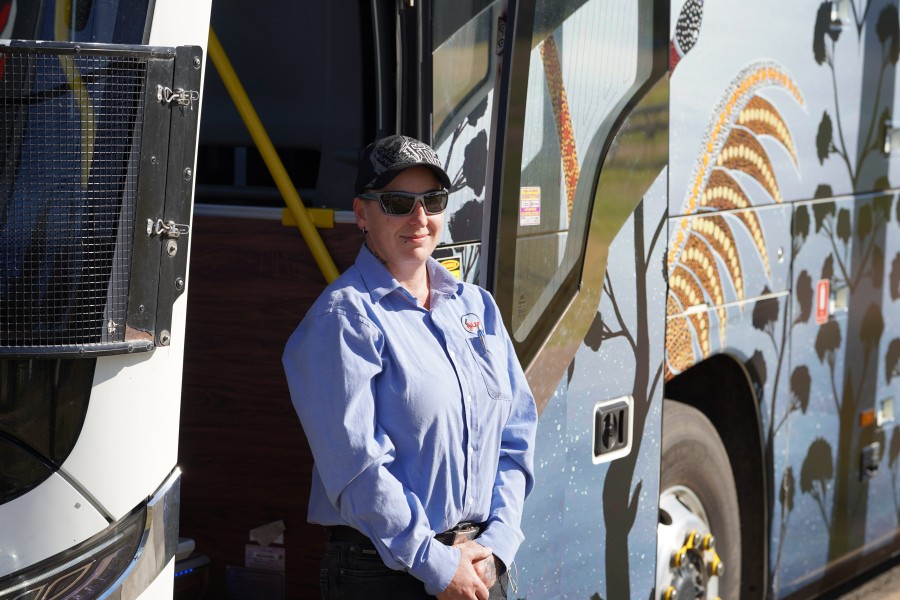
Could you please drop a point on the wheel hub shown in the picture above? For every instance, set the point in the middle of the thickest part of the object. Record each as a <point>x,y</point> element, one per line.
<point>688,567</point>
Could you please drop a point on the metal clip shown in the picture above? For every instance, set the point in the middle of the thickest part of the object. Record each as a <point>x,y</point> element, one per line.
<point>169,229</point>
<point>178,96</point>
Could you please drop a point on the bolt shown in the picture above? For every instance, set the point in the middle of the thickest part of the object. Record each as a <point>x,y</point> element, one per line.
<point>164,337</point>
<point>709,542</point>
<point>720,569</point>
<point>197,62</point>
<point>179,284</point>
<point>142,308</point>
<point>671,593</point>
<point>152,160</point>
<point>78,505</point>
<point>695,539</point>
<point>130,348</point>
<point>171,247</point>
<point>188,173</point>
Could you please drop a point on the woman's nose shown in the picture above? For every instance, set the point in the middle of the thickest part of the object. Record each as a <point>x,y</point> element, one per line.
<point>418,214</point>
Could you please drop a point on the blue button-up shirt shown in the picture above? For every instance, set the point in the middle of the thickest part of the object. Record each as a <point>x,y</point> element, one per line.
<point>417,419</point>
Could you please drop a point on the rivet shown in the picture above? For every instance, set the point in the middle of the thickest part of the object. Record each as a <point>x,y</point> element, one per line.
<point>171,247</point>
<point>197,62</point>
<point>188,173</point>
<point>179,284</point>
<point>164,337</point>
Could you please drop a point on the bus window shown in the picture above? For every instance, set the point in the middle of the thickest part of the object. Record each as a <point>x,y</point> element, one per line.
<point>461,62</point>
<point>106,21</point>
<point>586,59</point>
<point>42,407</point>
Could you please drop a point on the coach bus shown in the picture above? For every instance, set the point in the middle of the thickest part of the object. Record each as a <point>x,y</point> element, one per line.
<point>685,210</point>
<point>100,107</point>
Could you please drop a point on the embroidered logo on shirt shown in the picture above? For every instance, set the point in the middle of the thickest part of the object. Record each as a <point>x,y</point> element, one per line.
<point>472,323</point>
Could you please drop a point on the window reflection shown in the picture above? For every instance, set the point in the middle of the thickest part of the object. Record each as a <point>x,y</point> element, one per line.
<point>580,70</point>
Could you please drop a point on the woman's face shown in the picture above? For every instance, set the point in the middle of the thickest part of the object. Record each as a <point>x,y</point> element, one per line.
<point>405,242</point>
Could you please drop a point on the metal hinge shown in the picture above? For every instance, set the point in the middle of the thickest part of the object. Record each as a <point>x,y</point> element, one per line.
<point>501,35</point>
<point>178,96</point>
<point>169,229</point>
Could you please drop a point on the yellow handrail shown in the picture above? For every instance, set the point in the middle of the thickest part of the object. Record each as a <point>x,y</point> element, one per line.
<point>270,156</point>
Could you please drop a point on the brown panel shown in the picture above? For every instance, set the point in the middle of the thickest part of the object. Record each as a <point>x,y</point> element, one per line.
<point>242,450</point>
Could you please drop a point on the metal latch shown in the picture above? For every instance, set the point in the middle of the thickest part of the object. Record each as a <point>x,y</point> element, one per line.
<point>177,96</point>
<point>169,229</point>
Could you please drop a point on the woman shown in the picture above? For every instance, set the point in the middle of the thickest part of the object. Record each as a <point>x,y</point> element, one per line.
<point>417,412</point>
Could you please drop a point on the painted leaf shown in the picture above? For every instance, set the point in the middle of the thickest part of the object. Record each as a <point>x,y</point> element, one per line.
<point>824,138</point>
<point>800,386</point>
<point>801,222</point>
<point>765,313</point>
<point>803,292</point>
<point>877,271</point>
<point>822,30</point>
<point>892,360</point>
<point>818,466</point>
<point>821,211</point>
<point>888,30</point>
<point>843,225</point>
<point>828,267</point>
<point>827,340</point>
<point>864,221</point>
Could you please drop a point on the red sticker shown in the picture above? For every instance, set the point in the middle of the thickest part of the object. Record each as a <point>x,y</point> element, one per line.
<point>823,298</point>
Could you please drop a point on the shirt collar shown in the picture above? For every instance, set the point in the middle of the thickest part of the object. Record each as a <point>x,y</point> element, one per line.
<point>380,282</point>
<point>375,275</point>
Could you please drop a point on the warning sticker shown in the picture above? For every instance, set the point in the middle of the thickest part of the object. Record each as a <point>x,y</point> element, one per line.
<point>529,206</point>
<point>452,264</point>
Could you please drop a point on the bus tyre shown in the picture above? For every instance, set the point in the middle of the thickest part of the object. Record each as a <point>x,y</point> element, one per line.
<point>699,531</point>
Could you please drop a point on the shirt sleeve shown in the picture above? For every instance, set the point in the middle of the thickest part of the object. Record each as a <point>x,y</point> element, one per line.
<point>330,363</point>
<point>515,469</point>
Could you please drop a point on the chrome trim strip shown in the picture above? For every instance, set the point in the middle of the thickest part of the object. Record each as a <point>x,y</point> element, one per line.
<point>158,544</point>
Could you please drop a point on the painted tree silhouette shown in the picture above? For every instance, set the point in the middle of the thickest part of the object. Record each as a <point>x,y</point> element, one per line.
<point>816,475</point>
<point>856,235</point>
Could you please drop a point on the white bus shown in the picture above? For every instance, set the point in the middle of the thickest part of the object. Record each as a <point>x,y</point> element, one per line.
<point>99,109</point>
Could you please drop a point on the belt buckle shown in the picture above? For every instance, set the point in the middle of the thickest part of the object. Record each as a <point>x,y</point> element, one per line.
<point>464,532</point>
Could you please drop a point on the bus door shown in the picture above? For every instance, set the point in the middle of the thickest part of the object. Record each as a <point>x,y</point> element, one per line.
<point>573,251</point>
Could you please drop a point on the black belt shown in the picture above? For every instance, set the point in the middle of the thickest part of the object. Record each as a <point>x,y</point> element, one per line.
<point>462,532</point>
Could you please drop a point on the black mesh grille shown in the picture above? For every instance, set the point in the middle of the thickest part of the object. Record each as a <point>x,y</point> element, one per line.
<point>71,127</point>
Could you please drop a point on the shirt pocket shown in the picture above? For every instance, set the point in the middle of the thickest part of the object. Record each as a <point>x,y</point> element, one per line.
<point>489,353</point>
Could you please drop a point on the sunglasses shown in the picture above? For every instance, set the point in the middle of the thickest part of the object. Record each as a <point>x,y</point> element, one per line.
<point>399,204</point>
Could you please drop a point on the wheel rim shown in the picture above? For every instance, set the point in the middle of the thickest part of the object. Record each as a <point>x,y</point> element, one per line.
<point>687,566</point>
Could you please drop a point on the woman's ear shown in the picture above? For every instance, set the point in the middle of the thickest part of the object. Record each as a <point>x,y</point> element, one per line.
<point>359,211</point>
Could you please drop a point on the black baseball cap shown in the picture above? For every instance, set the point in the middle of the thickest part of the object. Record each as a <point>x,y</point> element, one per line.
<point>384,159</point>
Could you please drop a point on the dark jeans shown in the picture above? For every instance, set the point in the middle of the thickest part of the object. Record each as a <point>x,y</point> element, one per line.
<point>354,571</point>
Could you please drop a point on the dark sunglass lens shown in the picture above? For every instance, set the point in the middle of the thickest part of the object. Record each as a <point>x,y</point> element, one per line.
<point>435,202</point>
<point>397,203</point>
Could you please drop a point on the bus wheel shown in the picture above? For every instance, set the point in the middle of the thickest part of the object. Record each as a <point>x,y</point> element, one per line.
<point>698,547</point>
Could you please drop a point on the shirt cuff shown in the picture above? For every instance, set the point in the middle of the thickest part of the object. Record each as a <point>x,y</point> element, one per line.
<point>437,568</point>
<point>502,539</point>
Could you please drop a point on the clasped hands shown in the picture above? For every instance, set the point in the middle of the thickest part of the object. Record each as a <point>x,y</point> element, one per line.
<point>475,574</point>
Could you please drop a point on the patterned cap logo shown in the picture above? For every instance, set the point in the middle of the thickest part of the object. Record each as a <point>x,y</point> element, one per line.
<point>399,151</point>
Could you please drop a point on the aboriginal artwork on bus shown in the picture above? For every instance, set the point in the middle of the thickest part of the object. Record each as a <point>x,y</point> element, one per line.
<point>845,289</point>
<point>704,263</point>
<point>464,153</point>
